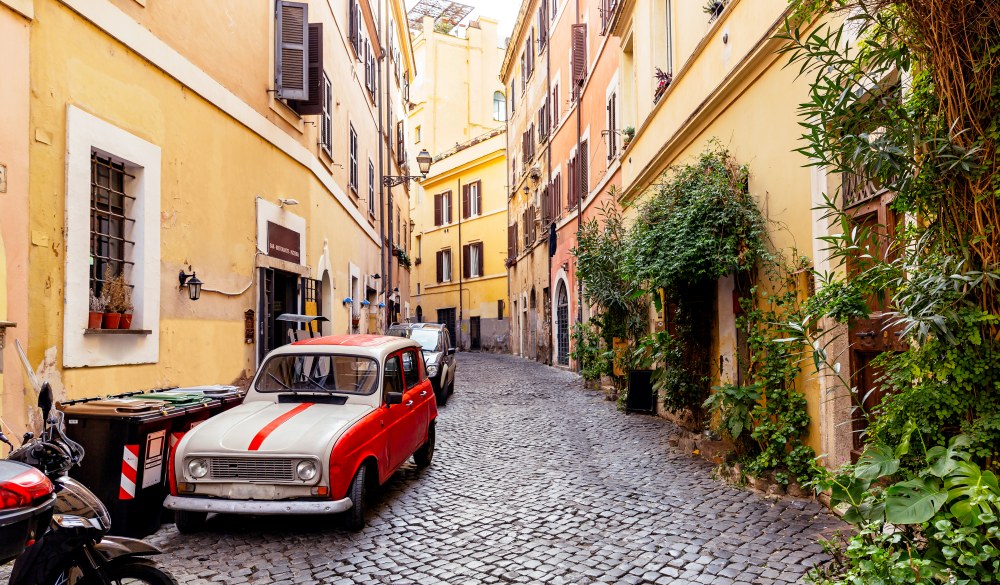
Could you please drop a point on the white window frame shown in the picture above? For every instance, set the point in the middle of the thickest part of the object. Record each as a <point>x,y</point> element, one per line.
<point>353,179</point>
<point>326,129</point>
<point>474,199</point>
<point>475,262</point>
<point>446,265</point>
<point>85,134</point>
<point>445,209</point>
<point>371,188</point>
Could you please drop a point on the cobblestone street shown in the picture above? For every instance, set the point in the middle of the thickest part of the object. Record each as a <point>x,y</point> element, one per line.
<point>534,480</point>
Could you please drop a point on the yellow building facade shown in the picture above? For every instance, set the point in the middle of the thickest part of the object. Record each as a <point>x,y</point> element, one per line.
<point>193,133</point>
<point>460,211</point>
<point>729,84</point>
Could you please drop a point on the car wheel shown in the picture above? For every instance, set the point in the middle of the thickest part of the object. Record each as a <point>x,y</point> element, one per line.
<point>425,453</point>
<point>354,519</point>
<point>441,394</point>
<point>451,386</point>
<point>189,522</point>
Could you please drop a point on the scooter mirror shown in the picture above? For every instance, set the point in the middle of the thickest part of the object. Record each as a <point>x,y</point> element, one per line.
<point>45,400</point>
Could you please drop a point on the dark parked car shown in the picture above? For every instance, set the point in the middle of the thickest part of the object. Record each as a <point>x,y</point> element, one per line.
<point>439,355</point>
<point>26,501</point>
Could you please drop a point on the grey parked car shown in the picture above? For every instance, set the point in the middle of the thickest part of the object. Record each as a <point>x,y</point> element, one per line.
<point>439,355</point>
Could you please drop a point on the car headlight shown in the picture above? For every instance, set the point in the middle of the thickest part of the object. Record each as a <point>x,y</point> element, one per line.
<point>432,370</point>
<point>305,470</point>
<point>197,468</point>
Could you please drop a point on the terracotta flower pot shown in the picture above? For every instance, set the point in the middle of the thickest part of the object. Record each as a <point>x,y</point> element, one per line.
<point>111,320</point>
<point>94,321</point>
<point>126,321</point>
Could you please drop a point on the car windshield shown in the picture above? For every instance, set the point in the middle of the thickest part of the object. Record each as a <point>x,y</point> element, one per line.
<point>427,338</point>
<point>345,374</point>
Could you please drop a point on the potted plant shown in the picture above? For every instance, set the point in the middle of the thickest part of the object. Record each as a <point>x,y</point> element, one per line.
<point>714,8</point>
<point>126,305</point>
<point>627,135</point>
<point>663,80</point>
<point>96,312</point>
<point>113,293</point>
<point>356,320</point>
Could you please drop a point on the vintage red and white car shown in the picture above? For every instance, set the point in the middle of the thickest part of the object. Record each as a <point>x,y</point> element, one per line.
<point>324,422</point>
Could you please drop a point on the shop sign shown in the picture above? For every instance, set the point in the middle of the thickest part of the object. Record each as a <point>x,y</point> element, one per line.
<point>283,243</point>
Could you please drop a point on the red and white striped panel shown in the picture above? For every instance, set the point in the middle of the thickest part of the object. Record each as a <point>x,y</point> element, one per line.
<point>130,465</point>
<point>174,439</point>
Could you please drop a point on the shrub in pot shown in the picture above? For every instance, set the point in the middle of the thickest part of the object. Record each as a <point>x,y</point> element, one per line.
<point>117,298</point>
<point>96,312</point>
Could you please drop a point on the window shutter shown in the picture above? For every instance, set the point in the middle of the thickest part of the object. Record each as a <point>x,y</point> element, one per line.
<point>579,34</point>
<point>465,202</point>
<point>291,39</point>
<point>515,239</point>
<point>450,209</point>
<point>314,105</point>
<point>511,240</point>
<point>352,19</point>
<point>612,130</point>
<point>440,265</point>
<point>479,197</point>
<point>466,261</point>
<point>437,210</point>
<point>584,170</point>
<point>481,262</point>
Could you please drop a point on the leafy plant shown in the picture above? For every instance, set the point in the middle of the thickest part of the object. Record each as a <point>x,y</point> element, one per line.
<point>734,406</point>
<point>587,351</point>
<point>96,303</point>
<point>115,292</point>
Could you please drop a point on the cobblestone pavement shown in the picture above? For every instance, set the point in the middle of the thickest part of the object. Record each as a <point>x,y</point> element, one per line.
<point>534,480</point>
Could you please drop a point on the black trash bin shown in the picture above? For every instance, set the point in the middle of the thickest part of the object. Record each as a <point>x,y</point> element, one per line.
<point>126,459</point>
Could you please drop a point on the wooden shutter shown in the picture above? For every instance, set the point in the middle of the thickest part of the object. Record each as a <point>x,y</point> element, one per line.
<point>451,209</point>
<point>465,201</point>
<point>511,241</point>
<point>437,210</point>
<point>466,261</point>
<point>440,266</point>
<point>481,260</point>
<point>584,170</point>
<point>352,19</point>
<point>291,61</point>
<point>314,105</point>
<point>479,197</point>
<point>612,130</point>
<point>515,239</point>
<point>579,34</point>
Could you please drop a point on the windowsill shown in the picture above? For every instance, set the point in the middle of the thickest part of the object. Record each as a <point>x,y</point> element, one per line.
<point>371,219</point>
<point>326,158</point>
<point>286,113</point>
<point>117,332</point>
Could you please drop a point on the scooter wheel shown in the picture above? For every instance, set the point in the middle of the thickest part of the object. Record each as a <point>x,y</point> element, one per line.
<point>138,571</point>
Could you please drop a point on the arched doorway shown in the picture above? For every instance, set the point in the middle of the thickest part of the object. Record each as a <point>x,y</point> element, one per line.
<point>420,314</point>
<point>562,325</point>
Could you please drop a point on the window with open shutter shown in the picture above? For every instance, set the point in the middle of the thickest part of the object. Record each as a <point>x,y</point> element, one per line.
<point>313,106</point>
<point>511,242</point>
<point>584,170</point>
<point>440,265</point>
<point>465,202</point>
<point>437,210</point>
<point>355,27</point>
<point>353,147</point>
<point>467,261</point>
<point>291,76</point>
<point>326,125</point>
<point>612,127</point>
<point>579,40</point>
<point>476,197</point>
<point>446,216</point>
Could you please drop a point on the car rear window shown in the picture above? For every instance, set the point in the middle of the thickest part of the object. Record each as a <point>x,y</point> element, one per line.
<point>318,373</point>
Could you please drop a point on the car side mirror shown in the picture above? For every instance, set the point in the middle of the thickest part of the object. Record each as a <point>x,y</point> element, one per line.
<point>451,351</point>
<point>393,398</point>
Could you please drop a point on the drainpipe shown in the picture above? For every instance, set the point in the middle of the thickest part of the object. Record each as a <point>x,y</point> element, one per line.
<point>548,171</point>
<point>579,182</point>
<point>461,258</point>
<point>386,278</point>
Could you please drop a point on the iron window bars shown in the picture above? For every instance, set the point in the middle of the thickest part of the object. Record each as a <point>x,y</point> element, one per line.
<point>109,206</point>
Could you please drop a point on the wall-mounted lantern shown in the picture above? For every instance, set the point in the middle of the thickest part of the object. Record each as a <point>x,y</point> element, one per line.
<point>191,281</point>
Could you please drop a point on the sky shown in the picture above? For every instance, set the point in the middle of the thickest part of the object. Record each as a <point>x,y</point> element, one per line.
<point>504,11</point>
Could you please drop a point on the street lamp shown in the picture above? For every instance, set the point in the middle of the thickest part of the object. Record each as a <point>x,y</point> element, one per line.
<point>424,161</point>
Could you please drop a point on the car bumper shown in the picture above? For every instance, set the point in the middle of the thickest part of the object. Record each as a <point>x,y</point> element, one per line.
<point>257,507</point>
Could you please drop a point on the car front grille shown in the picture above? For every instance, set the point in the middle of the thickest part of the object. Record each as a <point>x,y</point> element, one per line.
<point>252,469</point>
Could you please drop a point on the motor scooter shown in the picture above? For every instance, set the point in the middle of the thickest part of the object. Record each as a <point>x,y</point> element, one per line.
<point>76,549</point>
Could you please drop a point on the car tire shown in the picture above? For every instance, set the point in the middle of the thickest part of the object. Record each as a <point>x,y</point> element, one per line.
<point>425,453</point>
<point>354,519</point>
<point>190,522</point>
<point>451,387</point>
<point>442,396</point>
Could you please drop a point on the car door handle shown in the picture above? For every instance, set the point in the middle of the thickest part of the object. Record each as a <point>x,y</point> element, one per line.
<point>424,393</point>
<point>409,403</point>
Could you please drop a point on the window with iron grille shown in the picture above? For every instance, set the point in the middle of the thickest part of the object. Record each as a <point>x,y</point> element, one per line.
<point>110,221</point>
<point>353,140</point>
<point>326,129</point>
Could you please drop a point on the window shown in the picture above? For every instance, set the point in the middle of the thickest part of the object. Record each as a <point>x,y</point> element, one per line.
<point>411,371</point>
<point>326,126</point>
<point>339,374</point>
<point>499,107</point>
<point>109,212</point>
<point>669,39</point>
<point>416,135</point>
<point>353,140</point>
<point>442,208</point>
<point>391,381</point>
<point>472,199</point>
<point>579,55</point>
<point>612,126</point>
<point>371,189</point>
<point>500,301</point>
<point>512,95</point>
<point>555,104</point>
<point>444,265</point>
<point>400,143</point>
<point>355,27</point>
<point>472,260</point>
<point>543,27</point>
<point>112,199</point>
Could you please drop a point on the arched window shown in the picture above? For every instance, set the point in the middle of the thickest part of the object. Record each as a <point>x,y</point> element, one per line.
<point>499,107</point>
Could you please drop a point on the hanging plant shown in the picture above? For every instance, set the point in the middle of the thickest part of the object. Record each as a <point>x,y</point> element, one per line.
<point>714,8</point>
<point>663,81</point>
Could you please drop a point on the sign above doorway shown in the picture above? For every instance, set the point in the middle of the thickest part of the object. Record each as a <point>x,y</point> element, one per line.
<point>283,243</point>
